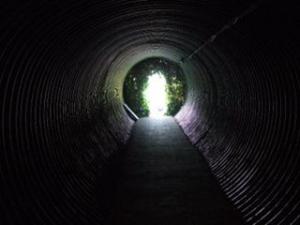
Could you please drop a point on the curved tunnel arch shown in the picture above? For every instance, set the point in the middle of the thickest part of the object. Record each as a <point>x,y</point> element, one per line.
<point>62,67</point>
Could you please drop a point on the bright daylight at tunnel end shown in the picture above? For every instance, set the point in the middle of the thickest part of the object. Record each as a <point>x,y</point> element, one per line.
<point>155,87</point>
<point>82,84</point>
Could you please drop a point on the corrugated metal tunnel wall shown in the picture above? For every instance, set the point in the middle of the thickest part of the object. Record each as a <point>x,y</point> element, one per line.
<point>62,69</point>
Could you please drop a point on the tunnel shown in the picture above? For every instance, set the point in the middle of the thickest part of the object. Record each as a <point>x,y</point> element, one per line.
<point>64,125</point>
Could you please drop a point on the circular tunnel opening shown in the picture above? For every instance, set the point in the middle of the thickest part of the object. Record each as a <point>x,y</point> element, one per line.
<point>155,87</point>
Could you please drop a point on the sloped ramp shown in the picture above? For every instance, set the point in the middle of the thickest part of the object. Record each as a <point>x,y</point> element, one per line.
<point>165,181</point>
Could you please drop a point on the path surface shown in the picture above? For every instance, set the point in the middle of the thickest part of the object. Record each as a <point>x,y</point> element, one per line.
<point>165,181</point>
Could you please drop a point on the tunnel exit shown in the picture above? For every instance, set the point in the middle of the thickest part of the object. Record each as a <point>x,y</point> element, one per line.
<point>156,95</point>
<point>155,87</point>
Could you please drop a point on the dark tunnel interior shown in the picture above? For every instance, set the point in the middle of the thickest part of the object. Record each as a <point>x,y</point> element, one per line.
<point>63,64</point>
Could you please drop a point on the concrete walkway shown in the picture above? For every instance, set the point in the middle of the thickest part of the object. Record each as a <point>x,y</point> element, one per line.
<point>165,181</point>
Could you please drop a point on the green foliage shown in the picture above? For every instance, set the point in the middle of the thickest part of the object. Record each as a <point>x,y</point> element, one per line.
<point>133,94</point>
<point>175,92</point>
<point>136,82</point>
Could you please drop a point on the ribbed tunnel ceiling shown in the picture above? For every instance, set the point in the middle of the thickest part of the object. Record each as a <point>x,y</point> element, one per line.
<point>62,120</point>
